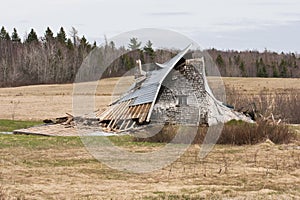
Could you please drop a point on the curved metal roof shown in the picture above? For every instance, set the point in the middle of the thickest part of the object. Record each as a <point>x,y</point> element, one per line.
<point>148,90</point>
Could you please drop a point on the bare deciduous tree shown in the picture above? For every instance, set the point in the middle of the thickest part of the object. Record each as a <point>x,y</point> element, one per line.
<point>74,35</point>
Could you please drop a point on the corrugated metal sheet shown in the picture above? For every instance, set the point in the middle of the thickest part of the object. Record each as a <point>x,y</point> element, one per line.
<point>146,97</point>
<point>139,93</point>
<point>147,92</point>
<point>156,76</point>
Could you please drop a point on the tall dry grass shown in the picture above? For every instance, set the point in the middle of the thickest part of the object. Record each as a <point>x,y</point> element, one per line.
<point>241,133</point>
<point>233,133</point>
<point>3,194</point>
<point>283,105</point>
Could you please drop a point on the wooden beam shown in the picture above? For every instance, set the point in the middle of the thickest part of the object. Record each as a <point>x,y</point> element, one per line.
<point>145,114</point>
<point>143,108</point>
<point>126,117</point>
<point>140,109</point>
<point>115,111</point>
<point>103,115</point>
<point>134,111</point>
<point>120,113</point>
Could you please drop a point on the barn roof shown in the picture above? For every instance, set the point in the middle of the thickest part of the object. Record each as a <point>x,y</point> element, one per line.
<point>146,91</point>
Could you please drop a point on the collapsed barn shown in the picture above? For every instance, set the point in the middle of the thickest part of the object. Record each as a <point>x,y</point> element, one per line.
<point>176,93</point>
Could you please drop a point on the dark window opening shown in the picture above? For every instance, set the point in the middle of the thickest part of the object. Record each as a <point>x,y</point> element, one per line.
<point>182,100</point>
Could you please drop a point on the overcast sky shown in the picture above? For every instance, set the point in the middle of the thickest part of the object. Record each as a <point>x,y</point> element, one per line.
<point>222,24</point>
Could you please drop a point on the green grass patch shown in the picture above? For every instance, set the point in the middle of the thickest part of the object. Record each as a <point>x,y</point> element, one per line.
<point>11,125</point>
<point>39,142</point>
<point>43,142</point>
<point>128,140</point>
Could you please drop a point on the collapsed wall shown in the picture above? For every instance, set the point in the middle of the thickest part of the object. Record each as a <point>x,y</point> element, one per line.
<point>182,98</point>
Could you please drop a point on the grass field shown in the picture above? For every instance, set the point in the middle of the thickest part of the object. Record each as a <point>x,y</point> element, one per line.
<point>10,125</point>
<point>50,101</point>
<point>36,167</point>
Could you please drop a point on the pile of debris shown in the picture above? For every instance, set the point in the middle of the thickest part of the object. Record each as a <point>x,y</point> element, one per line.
<point>65,126</point>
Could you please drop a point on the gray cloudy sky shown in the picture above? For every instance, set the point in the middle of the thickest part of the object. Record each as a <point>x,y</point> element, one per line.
<point>223,24</point>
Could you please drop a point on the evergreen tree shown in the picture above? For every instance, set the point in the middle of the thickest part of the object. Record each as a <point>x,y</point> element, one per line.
<point>275,72</point>
<point>134,44</point>
<point>220,62</point>
<point>283,66</point>
<point>261,70</point>
<point>264,72</point>
<point>61,36</point>
<point>49,35</point>
<point>15,37</point>
<point>70,44</point>
<point>127,62</point>
<point>84,44</point>
<point>283,63</point>
<point>295,64</point>
<point>32,37</point>
<point>3,34</point>
<point>112,45</point>
<point>7,37</point>
<point>94,44</point>
<point>149,50</point>
<point>283,72</point>
<point>83,41</point>
<point>243,70</point>
<point>258,71</point>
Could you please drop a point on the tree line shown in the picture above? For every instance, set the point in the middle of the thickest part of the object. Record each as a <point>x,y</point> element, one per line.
<point>45,60</point>
<point>56,58</point>
<point>256,64</point>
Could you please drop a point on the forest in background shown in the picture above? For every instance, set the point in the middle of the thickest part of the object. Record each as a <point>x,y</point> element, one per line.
<point>56,58</point>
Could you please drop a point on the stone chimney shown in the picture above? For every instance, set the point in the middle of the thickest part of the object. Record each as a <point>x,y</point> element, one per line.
<point>140,72</point>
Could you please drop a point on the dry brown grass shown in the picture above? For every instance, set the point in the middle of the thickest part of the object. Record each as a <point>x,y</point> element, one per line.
<point>69,172</point>
<point>33,169</point>
<point>240,133</point>
<point>47,101</point>
<point>281,104</point>
<point>253,86</point>
<point>50,101</point>
<point>3,194</point>
<point>233,133</point>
